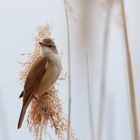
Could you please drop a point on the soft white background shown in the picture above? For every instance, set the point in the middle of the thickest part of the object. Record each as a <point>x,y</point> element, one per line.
<point>18,23</point>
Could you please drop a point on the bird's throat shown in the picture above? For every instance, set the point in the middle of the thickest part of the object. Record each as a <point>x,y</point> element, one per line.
<point>45,51</point>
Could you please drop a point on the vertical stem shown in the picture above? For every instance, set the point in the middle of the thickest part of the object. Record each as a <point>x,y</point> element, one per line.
<point>85,40</point>
<point>130,77</point>
<point>103,73</point>
<point>89,99</point>
<point>41,128</point>
<point>69,74</point>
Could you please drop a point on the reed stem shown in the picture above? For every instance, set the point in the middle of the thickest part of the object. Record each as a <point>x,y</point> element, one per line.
<point>69,72</point>
<point>130,76</point>
<point>103,72</point>
<point>89,100</point>
<point>41,128</point>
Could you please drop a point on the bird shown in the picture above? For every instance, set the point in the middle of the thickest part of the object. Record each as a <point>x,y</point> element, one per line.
<point>42,75</point>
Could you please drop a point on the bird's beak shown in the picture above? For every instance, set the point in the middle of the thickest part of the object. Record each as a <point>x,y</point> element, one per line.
<point>41,44</point>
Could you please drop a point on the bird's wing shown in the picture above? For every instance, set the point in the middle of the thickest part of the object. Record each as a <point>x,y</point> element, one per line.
<point>34,78</point>
<point>31,84</point>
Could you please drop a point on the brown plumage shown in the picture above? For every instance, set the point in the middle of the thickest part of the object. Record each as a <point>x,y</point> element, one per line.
<point>42,75</point>
<point>31,85</point>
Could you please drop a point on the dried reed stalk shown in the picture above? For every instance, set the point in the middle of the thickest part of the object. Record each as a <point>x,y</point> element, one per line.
<point>41,128</point>
<point>89,100</point>
<point>50,113</point>
<point>104,70</point>
<point>130,76</point>
<point>69,72</point>
<point>85,29</point>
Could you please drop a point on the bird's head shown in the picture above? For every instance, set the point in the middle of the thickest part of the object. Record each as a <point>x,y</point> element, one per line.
<point>48,47</point>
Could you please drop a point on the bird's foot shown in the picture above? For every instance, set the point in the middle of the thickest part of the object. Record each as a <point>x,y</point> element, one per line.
<point>37,100</point>
<point>45,94</point>
<point>41,104</point>
<point>44,108</point>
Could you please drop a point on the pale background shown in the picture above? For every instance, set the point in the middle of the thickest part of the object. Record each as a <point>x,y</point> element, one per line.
<point>18,23</point>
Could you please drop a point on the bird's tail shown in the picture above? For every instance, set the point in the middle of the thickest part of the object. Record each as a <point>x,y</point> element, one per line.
<point>22,114</point>
<point>21,95</point>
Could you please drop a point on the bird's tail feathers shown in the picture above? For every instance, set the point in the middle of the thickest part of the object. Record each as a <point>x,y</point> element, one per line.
<point>23,111</point>
<point>21,95</point>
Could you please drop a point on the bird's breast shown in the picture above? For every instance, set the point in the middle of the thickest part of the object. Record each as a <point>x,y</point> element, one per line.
<point>53,70</point>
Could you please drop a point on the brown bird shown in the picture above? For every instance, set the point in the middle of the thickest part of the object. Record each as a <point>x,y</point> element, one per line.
<point>42,75</point>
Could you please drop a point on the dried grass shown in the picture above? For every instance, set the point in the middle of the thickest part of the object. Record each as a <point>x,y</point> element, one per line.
<point>109,8</point>
<point>71,10</point>
<point>48,108</point>
<point>69,72</point>
<point>133,103</point>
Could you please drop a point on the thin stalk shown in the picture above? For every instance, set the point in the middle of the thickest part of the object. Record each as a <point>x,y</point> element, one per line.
<point>69,73</point>
<point>85,39</point>
<point>41,128</point>
<point>103,73</point>
<point>130,76</point>
<point>89,99</point>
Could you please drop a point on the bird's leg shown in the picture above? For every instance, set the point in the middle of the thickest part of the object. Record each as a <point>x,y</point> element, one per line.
<point>44,94</point>
<point>36,99</point>
<point>44,108</point>
<point>41,104</point>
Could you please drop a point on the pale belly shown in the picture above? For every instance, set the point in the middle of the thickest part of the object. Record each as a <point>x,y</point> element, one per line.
<point>49,79</point>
